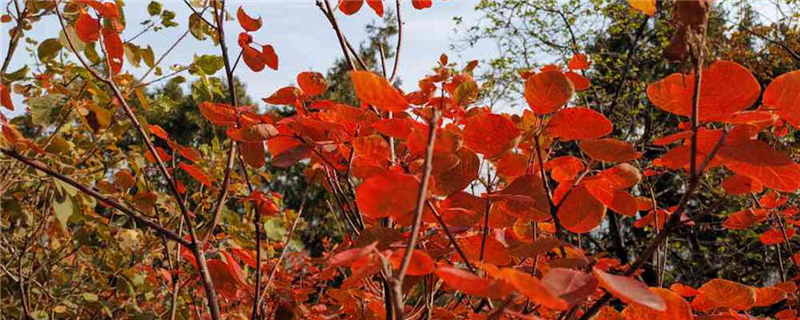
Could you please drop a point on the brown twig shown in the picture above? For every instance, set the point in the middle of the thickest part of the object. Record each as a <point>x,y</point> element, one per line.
<point>397,281</point>
<point>399,43</point>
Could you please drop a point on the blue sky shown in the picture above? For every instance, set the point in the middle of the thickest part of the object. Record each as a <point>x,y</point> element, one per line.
<point>300,34</point>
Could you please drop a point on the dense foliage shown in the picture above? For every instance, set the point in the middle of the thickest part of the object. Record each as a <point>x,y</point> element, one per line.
<point>348,198</point>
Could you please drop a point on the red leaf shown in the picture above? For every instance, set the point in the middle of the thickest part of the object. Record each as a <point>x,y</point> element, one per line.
<point>580,212</point>
<point>530,287</point>
<point>345,258</point>
<point>578,81</point>
<point>220,114</point>
<point>312,83</point>
<point>775,236</point>
<point>245,39</point>
<point>744,219</point>
<point>615,199</point>
<point>114,49</point>
<point>377,6</point>
<point>196,173</point>
<point>87,28</point>
<point>684,290</point>
<point>547,91</point>
<point>421,4</point>
<point>387,194</point>
<point>255,133</point>
<point>727,87</point>
<point>621,176</point>
<point>247,22</point>
<point>677,308</point>
<point>253,58</point>
<point>350,7</point>
<point>609,150</point>
<point>471,284</point>
<point>728,294</point>
<point>5,97</point>
<point>490,134</point>
<point>421,264</point>
<point>629,290</point>
<point>269,56</point>
<point>741,184</point>
<point>254,154</point>
<point>564,168</point>
<point>158,131</point>
<point>578,124</point>
<point>570,285</point>
<point>579,62</point>
<point>284,96</point>
<point>376,90</point>
<point>783,95</point>
<point>758,160</point>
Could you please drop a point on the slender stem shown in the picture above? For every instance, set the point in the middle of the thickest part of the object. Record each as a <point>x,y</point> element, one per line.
<point>399,43</point>
<point>449,235</point>
<point>694,177</point>
<point>13,41</point>
<point>332,18</point>
<point>412,242</point>
<point>94,194</point>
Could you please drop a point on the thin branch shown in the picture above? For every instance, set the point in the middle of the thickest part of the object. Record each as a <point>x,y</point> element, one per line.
<point>94,194</point>
<point>332,19</point>
<point>449,235</point>
<point>412,242</point>
<point>399,43</point>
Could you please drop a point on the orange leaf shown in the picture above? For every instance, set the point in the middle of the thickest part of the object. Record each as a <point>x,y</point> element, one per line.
<point>547,91</point>
<point>621,176</point>
<point>564,168</point>
<point>728,294</point>
<point>495,252</point>
<point>190,153</point>
<point>196,173</point>
<point>312,83</point>
<point>609,150</point>
<point>525,197</point>
<point>421,264</point>
<point>218,113</point>
<point>570,285</point>
<point>683,290</point>
<point>788,314</point>
<point>387,194</point>
<point>395,127</point>
<point>114,49</point>
<point>783,95</point>
<point>376,90</point>
<point>87,28</point>
<point>512,165</point>
<point>726,87</point>
<point>579,62</point>
<point>345,258</point>
<point>464,281</point>
<point>756,159</point>
<point>580,212</point>
<point>255,133</point>
<point>158,131</point>
<point>532,288</point>
<point>284,96</point>
<point>123,179</point>
<point>615,199</point>
<point>578,81</point>
<point>350,7</point>
<point>768,296</point>
<point>163,155</point>
<point>677,308</point>
<point>629,290</point>
<point>741,220</point>
<point>490,134</point>
<point>247,22</point>
<point>578,123</point>
<point>648,7</point>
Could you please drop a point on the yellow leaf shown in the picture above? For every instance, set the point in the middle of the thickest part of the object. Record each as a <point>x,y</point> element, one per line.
<point>646,6</point>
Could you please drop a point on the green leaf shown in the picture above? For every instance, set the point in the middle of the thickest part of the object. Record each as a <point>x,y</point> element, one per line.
<point>64,207</point>
<point>91,53</point>
<point>133,54</point>
<point>76,42</point>
<point>59,145</point>
<point>90,297</point>
<point>17,75</point>
<point>197,27</point>
<point>154,8</point>
<point>274,229</point>
<point>148,57</point>
<point>46,108</point>
<point>167,17</point>
<point>48,49</point>
<point>207,63</point>
<point>68,188</point>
